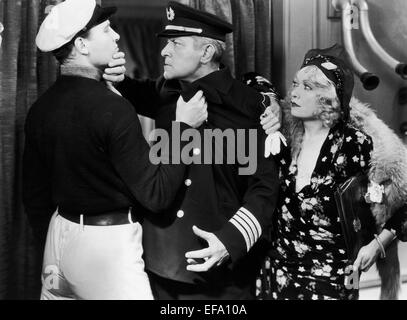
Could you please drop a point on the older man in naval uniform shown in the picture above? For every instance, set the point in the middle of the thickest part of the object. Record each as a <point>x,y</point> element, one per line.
<point>204,247</point>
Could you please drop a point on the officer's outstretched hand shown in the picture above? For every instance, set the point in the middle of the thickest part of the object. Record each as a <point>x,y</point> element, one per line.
<point>214,255</point>
<point>115,70</point>
<point>194,112</point>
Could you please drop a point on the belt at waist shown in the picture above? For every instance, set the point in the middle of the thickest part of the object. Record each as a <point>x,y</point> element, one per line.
<point>111,218</point>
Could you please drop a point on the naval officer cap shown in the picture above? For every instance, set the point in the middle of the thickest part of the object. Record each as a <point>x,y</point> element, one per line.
<point>186,21</point>
<point>69,19</point>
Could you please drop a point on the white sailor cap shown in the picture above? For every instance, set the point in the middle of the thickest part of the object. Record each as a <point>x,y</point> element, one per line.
<point>68,19</point>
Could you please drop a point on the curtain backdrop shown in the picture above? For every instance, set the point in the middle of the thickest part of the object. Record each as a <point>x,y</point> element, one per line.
<point>137,38</point>
<point>249,48</point>
<point>253,36</point>
<point>142,48</point>
<point>24,74</point>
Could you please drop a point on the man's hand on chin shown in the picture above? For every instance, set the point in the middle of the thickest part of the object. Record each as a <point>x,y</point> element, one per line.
<point>114,73</point>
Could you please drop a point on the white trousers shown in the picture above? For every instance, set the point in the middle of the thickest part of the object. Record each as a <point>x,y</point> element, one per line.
<point>94,262</point>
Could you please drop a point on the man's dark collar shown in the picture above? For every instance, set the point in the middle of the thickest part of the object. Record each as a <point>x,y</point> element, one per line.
<point>219,81</point>
<point>81,71</point>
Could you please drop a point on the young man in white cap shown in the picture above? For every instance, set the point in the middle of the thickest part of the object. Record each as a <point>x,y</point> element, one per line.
<point>200,248</point>
<point>86,160</point>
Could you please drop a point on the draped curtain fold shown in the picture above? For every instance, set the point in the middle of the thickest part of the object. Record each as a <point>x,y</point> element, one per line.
<point>138,39</point>
<point>253,36</point>
<point>142,47</point>
<point>263,17</point>
<point>24,74</point>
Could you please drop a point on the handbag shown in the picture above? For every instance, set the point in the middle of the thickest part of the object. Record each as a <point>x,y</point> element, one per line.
<point>357,222</point>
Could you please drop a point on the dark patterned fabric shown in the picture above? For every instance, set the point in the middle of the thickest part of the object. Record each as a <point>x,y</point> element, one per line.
<point>308,256</point>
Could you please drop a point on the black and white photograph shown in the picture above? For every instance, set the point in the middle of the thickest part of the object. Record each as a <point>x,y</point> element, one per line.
<point>204,155</point>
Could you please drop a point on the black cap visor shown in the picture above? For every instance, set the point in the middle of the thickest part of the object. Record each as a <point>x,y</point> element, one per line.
<point>177,33</point>
<point>100,14</point>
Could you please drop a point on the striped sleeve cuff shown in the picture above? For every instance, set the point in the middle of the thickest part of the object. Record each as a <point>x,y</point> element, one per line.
<point>248,226</point>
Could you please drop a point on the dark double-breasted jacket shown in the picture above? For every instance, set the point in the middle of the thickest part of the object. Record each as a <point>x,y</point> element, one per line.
<point>216,195</point>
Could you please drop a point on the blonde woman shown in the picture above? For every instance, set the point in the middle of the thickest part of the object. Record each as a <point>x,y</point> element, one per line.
<point>317,109</point>
<point>309,258</point>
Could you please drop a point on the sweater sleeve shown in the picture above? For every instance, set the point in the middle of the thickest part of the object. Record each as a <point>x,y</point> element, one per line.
<point>37,186</point>
<point>150,175</point>
<point>142,94</point>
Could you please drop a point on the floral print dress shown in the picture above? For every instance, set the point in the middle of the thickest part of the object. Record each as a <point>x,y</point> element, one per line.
<point>308,256</point>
